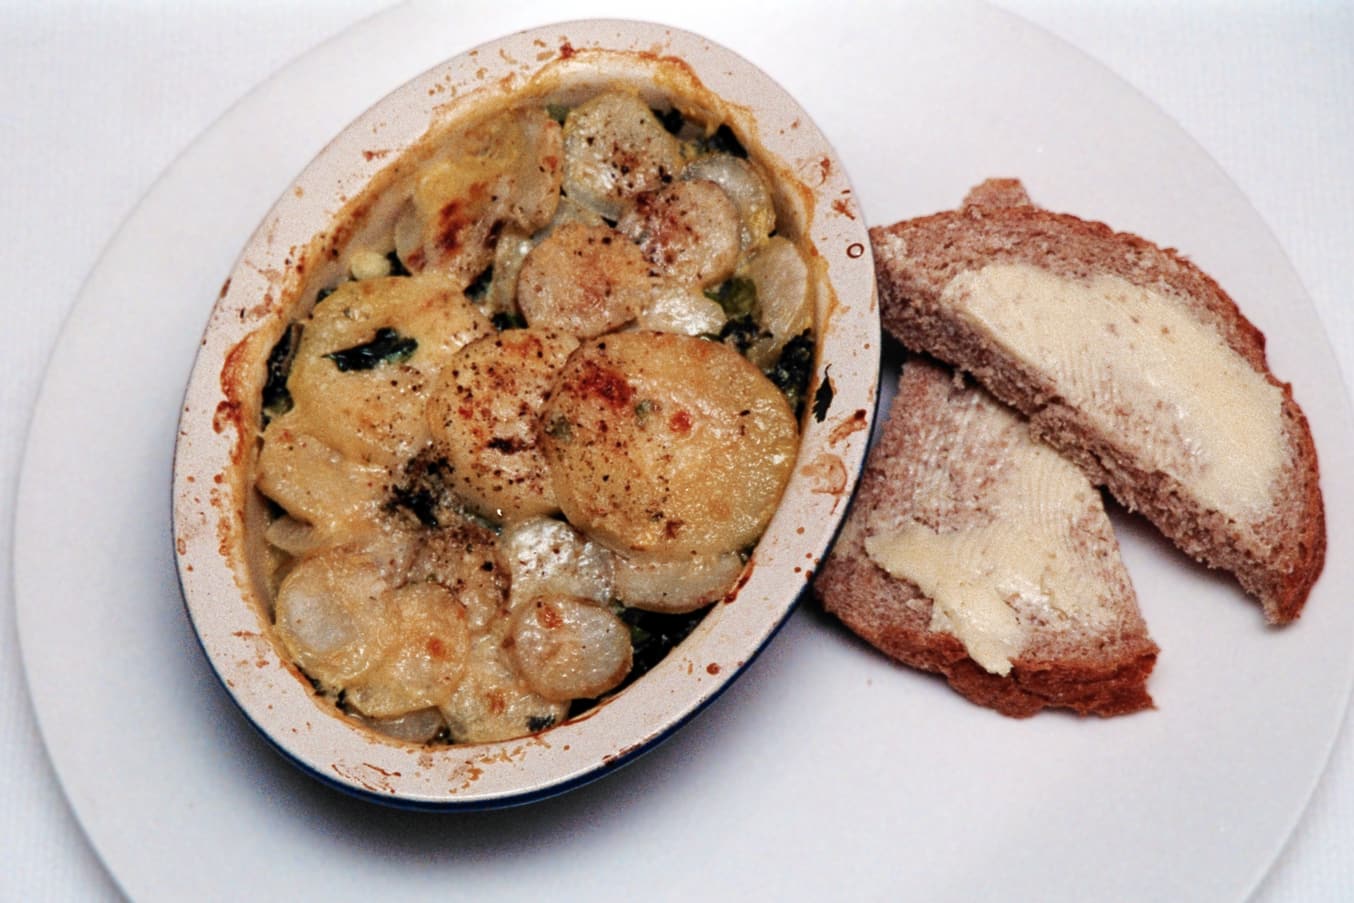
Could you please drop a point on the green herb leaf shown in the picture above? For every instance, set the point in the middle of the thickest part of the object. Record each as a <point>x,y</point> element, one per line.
<point>793,369</point>
<point>737,296</point>
<point>397,267</point>
<point>822,399</point>
<point>538,723</point>
<point>672,120</point>
<point>560,429</point>
<point>388,347</point>
<point>724,141</point>
<point>505,320</point>
<point>276,397</point>
<point>479,289</point>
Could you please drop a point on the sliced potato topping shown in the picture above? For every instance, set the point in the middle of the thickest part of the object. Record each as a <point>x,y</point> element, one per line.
<point>614,150</point>
<point>687,230</point>
<point>486,468</point>
<point>494,702</point>
<point>483,417</point>
<point>667,445</point>
<point>337,499</point>
<point>584,280</point>
<point>421,726</point>
<point>367,358</point>
<point>569,648</point>
<point>684,309</point>
<point>747,190</point>
<point>329,615</point>
<point>548,556</point>
<point>784,297</point>
<point>393,650</point>
<point>680,585</point>
<point>505,171</point>
<point>465,558</point>
<point>425,647</point>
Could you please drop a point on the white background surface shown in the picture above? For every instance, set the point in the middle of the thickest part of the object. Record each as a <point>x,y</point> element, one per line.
<point>97,101</point>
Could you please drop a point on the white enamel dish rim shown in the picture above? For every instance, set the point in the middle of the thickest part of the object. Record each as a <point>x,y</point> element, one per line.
<point>209,497</point>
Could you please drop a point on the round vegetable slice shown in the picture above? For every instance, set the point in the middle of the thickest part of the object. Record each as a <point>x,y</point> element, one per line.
<point>366,361</point>
<point>677,586</point>
<point>667,445</point>
<point>569,648</point>
<point>615,149</point>
<point>483,418</point>
<point>584,280</point>
<point>688,230</point>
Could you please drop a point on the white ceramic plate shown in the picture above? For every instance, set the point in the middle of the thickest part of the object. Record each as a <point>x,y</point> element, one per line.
<point>826,772</point>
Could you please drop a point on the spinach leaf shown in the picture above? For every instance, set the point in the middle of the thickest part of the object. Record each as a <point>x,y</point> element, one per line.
<point>737,296</point>
<point>672,120</point>
<point>424,491</point>
<point>822,399</point>
<point>397,267</point>
<point>724,141</point>
<point>478,290</point>
<point>792,371</point>
<point>505,320</point>
<point>276,398</point>
<point>740,333</point>
<point>388,347</point>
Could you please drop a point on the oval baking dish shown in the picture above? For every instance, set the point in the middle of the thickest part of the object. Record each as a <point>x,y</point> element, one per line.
<point>334,225</point>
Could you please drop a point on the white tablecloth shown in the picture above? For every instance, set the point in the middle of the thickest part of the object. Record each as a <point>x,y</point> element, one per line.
<point>98,100</point>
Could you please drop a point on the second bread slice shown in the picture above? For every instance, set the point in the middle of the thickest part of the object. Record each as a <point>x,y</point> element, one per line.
<point>975,551</point>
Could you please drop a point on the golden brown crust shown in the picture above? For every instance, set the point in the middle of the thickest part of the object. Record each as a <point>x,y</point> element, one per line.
<point>1091,670</point>
<point>915,260</point>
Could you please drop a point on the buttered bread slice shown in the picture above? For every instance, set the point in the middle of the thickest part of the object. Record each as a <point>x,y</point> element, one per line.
<point>978,552</point>
<point>1130,361</point>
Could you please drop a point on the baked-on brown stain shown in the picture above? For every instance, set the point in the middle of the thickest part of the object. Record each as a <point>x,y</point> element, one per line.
<point>743,579</point>
<point>372,777</point>
<point>851,425</point>
<point>828,473</point>
<point>841,206</point>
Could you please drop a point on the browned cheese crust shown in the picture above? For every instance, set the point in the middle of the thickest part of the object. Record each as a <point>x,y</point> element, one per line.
<point>1091,671</point>
<point>917,258</point>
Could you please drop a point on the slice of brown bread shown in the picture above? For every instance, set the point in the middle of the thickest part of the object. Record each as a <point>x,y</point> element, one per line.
<point>1274,547</point>
<point>954,468</point>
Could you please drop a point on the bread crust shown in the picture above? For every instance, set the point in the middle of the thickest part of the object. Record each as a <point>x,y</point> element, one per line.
<point>1100,671</point>
<point>916,259</point>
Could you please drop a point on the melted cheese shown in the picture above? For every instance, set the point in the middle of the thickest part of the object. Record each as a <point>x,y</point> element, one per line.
<point>1142,369</point>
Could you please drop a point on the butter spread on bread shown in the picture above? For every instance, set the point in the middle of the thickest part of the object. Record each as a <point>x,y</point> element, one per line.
<point>1023,561</point>
<point>974,551</point>
<point>1132,363</point>
<point>1139,366</point>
